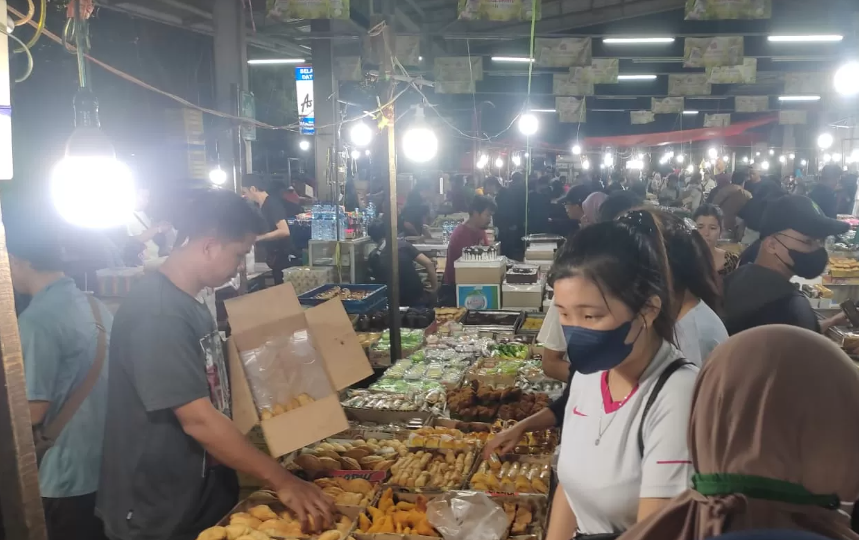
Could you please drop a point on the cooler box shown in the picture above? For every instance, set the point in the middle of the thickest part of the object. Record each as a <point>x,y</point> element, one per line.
<point>474,297</point>
<point>479,272</point>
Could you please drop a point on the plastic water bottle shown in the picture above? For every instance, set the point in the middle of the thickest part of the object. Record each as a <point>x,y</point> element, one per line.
<point>316,223</point>
<point>371,211</point>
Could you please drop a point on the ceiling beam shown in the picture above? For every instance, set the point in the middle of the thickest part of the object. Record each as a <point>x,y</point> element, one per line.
<point>268,43</point>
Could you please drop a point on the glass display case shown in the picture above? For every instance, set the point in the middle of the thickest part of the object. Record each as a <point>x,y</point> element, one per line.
<point>353,257</point>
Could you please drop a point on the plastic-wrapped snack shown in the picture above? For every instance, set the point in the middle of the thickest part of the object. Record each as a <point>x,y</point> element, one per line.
<point>285,373</point>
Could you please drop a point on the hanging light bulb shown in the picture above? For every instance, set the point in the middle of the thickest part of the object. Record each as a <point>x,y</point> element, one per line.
<point>218,176</point>
<point>516,160</point>
<point>690,169</point>
<point>499,162</point>
<point>355,154</point>
<point>420,143</point>
<point>528,124</point>
<point>726,159</point>
<point>765,165</point>
<point>803,163</point>
<point>361,134</point>
<point>713,153</point>
<point>680,158</point>
<point>304,145</point>
<point>825,140</point>
<point>586,164</point>
<point>782,159</point>
<point>577,150</point>
<point>745,159</point>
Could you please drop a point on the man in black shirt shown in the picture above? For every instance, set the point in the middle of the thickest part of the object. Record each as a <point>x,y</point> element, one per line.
<point>823,194</point>
<point>412,292</point>
<point>170,448</point>
<point>277,242</point>
<point>793,232</point>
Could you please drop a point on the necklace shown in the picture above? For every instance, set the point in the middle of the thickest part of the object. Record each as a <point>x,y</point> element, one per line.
<point>602,431</point>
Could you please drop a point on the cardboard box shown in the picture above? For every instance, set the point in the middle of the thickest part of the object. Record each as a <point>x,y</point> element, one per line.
<point>485,296</point>
<point>258,317</point>
<point>522,296</point>
<point>478,272</point>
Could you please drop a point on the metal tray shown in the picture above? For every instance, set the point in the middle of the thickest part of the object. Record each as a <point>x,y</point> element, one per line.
<point>533,315</point>
<point>501,320</point>
<point>374,301</point>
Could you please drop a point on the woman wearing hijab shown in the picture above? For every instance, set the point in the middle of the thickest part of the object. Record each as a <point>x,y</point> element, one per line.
<point>764,458</point>
<point>591,207</point>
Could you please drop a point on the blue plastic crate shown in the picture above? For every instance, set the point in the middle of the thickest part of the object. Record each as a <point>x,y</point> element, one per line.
<point>375,300</point>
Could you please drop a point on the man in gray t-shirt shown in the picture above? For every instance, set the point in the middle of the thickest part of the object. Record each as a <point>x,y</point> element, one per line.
<point>168,433</point>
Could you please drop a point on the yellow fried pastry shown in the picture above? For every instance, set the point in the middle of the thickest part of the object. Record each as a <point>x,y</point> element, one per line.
<point>262,512</point>
<point>213,533</point>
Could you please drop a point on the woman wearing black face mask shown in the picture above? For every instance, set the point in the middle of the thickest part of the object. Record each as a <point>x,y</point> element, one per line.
<point>623,454</point>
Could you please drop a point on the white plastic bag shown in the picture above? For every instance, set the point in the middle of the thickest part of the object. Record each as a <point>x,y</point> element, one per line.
<point>461,515</point>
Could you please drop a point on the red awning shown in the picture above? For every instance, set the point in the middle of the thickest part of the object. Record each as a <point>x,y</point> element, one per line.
<point>677,137</point>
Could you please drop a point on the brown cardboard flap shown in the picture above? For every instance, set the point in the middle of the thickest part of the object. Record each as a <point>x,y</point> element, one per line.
<point>305,425</point>
<point>335,339</point>
<point>244,411</point>
<point>263,306</point>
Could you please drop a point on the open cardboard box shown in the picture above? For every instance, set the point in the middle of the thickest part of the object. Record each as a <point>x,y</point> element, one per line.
<point>256,318</point>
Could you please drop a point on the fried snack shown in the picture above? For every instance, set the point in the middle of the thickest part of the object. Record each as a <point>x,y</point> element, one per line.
<point>349,464</point>
<point>236,531</point>
<point>255,535</point>
<point>330,535</point>
<point>262,512</point>
<point>309,463</point>
<point>522,520</point>
<point>242,518</point>
<point>359,485</point>
<point>400,518</point>
<point>328,464</point>
<point>213,533</point>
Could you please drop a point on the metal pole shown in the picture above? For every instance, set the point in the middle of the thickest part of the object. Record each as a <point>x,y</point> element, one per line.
<point>387,38</point>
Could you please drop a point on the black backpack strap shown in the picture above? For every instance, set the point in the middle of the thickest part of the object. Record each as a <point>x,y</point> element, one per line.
<point>651,399</point>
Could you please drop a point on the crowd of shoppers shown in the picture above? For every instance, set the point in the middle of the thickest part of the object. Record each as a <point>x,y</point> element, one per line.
<point>671,429</point>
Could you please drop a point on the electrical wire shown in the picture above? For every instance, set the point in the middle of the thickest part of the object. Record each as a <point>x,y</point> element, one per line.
<point>185,103</point>
<point>43,15</point>
<point>31,10</point>
<point>27,52</point>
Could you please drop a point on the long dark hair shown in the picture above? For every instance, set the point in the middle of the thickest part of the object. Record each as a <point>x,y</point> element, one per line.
<point>626,259</point>
<point>690,258</point>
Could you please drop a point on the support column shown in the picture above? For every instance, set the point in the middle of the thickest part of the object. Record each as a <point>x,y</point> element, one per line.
<point>325,95</point>
<point>20,500</point>
<point>385,43</point>
<point>231,78</point>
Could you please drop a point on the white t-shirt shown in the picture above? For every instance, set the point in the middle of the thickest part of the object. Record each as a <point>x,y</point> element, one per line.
<point>137,225</point>
<point>551,333</point>
<point>699,332</point>
<point>604,482</point>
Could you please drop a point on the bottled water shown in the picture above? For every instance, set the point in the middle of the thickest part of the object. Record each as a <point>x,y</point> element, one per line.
<point>316,222</point>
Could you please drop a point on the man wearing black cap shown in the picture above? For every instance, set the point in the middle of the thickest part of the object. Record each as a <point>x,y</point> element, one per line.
<point>793,231</point>
<point>573,205</point>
